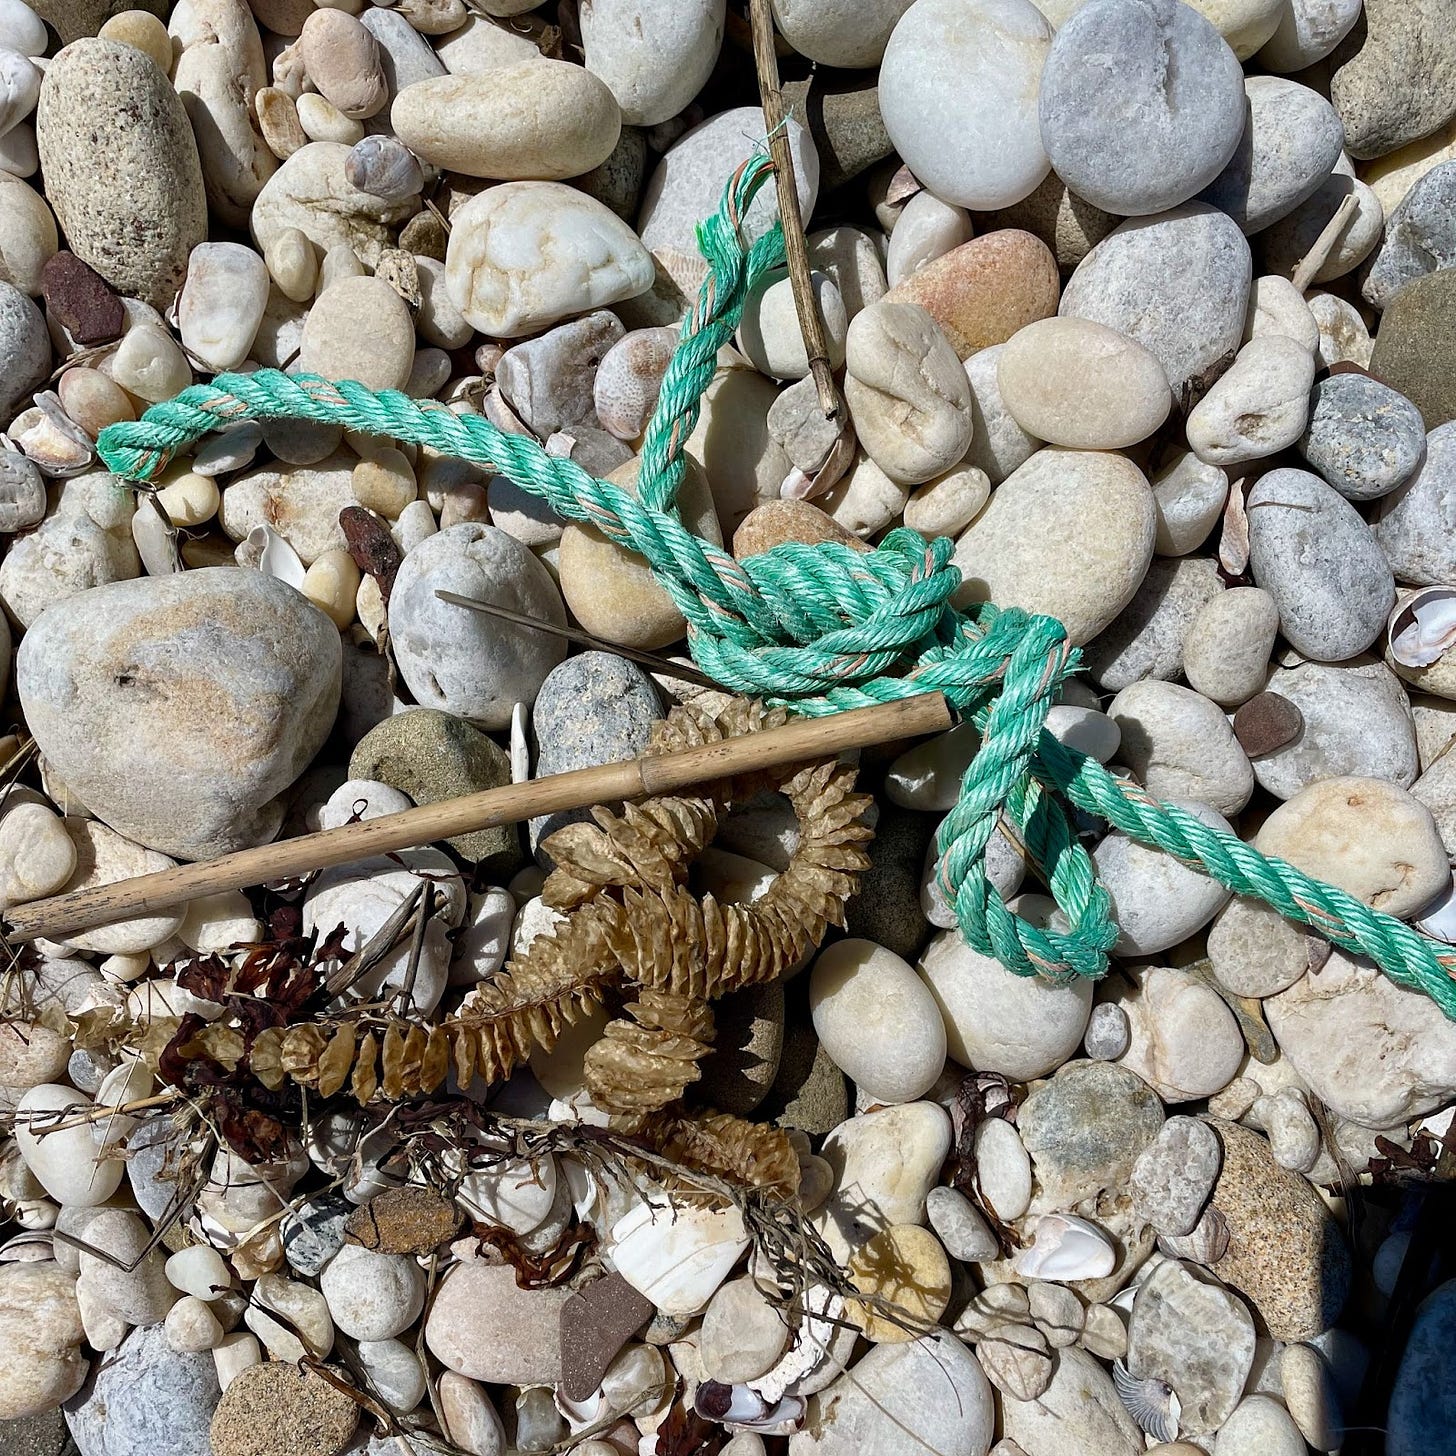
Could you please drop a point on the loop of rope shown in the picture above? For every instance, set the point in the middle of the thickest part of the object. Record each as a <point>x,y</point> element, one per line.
<point>826,628</point>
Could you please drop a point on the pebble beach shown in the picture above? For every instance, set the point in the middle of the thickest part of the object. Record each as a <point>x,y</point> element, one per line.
<point>696,1125</point>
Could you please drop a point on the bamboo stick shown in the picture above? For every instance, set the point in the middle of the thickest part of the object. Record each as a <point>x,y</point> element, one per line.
<point>798,742</point>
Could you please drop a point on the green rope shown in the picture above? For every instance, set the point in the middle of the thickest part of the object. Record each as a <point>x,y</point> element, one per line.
<point>824,628</point>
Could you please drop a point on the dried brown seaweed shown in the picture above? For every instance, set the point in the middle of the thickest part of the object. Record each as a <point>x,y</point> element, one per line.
<point>630,923</point>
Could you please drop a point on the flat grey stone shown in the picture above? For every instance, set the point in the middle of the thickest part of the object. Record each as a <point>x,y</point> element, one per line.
<point>1314,554</point>
<point>1356,721</point>
<point>1146,638</point>
<point>1363,437</point>
<point>1198,1337</point>
<point>594,708</point>
<point>1085,1128</point>
<point>143,1399</point>
<point>1414,523</point>
<point>1174,1175</point>
<point>25,350</point>
<point>1394,75</point>
<point>1420,236</point>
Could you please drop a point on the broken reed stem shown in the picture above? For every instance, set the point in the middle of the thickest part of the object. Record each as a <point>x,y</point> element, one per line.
<point>796,247</point>
<point>802,741</point>
<point>1324,245</point>
<point>35,1123</point>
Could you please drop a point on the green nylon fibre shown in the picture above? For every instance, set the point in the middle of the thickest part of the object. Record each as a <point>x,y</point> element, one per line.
<point>823,628</point>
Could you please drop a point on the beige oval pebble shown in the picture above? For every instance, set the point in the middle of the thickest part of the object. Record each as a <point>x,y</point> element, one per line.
<point>907,392</point>
<point>1367,836</point>
<point>342,59</point>
<point>906,1266</point>
<point>278,121</point>
<point>611,590</point>
<point>28,237</point>
<point>359,329</point>
<point>293,264</point>
<point>331,584</point>
<point>948,504</point>
<point>37,856</point>
<point>322,121</point>
<point>539,122</point>
<point>92,400</point>
<point>144,32</point>
<point>188,499</point>
<point>385,483</point>
<point>1070,533</point>
<point>148,364</point>
<point>1259,407</point>
<point>1073,382</point>
<point>1228,643</point>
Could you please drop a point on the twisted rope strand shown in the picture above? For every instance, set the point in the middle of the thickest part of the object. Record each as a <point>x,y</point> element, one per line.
<point>825,628</point>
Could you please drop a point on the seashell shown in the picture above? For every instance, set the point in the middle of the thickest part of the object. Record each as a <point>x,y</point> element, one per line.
<point>822,1319</point>
<point>520,744</point>
<point>1438,919</point>
<point>1206,1245</point>
<point>1066,1248</point>
<point>1151,1402</point>
<point>385,168</point>
<point>47,435</point>
<point>34,1246</point>
<point>676,1255</point>
<point>273,556</point>
<point>743,1408</point>
<point>1423,627</point>
<point>635,1382</point>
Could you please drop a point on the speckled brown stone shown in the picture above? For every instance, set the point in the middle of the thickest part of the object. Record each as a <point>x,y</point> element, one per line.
<point>77,297</point>
<point>775,522</point>
<point>1285,1251</point>
<point>275,1409</point>
<point>405,1220</point>
<point>1266,723</point>
<point>595,1323</point>
<point>985,290</point>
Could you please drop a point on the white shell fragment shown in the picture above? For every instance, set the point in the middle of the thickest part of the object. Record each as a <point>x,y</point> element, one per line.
<point>1423,627</point>
<point>276,557</point>
<point>1066,1248</point>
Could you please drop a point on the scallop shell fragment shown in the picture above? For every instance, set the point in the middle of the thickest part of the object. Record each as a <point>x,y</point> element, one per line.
<point>1151,1402</point>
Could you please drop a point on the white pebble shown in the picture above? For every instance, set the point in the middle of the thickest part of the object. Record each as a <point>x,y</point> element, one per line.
<point>372,1296</point>
<point>877,1020</point>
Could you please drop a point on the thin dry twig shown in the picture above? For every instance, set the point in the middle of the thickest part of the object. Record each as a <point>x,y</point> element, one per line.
<point>1324,245</point>
<point>796,247</point>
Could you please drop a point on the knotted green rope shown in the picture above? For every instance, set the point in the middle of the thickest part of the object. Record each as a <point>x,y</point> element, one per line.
<point>824,628</point>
